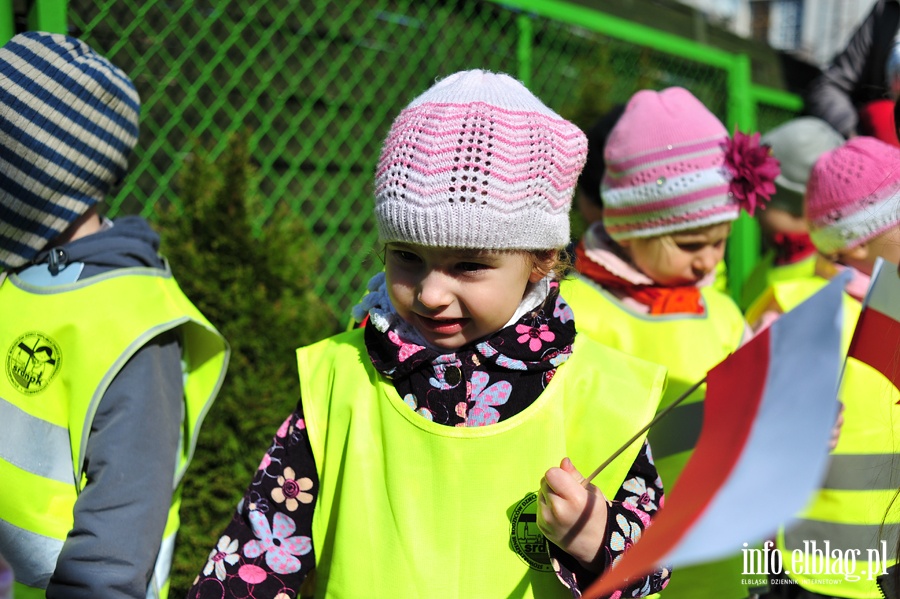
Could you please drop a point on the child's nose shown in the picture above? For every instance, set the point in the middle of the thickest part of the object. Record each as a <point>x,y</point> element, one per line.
<point>705,261</point>
<point>433,291</point>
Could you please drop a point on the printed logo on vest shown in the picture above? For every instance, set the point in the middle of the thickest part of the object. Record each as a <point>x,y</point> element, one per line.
<point>32,362</point>
<point>525,537</point>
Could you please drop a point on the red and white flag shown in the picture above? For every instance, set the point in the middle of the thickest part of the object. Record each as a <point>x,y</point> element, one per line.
<point>876,340</point>
<point>732,491</point>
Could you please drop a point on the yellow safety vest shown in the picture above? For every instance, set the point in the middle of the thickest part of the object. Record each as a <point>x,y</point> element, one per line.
<point>766,273</point>
<point>410,508</point>
<point>852,520</point>
<point>61,350</point>
<point>661,339</point>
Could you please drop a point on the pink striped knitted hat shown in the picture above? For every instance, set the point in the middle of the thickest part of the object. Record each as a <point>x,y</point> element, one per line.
<point>671,166</point>
<point>477,161</point>
<point>853,194</point>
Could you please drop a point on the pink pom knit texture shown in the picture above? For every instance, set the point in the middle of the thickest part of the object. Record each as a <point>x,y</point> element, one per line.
<point>853,194</point>
<point>494,172</point>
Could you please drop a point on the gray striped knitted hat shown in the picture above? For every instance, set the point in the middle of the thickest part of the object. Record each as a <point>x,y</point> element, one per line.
<point>68,123</point>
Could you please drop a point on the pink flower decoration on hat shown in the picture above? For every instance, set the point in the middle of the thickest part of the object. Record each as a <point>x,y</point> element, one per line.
<point>753,170</point>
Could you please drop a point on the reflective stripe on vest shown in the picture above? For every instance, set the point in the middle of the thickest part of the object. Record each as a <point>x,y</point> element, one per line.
<point>35,445</point>
<point>853,511</point>
<point>370,446</point>
<point>865,472</point>
<point>860,538</point>
<point>159,583</point>
<point>56,370</point>
<point>658,339</point>
<point>32,567</point>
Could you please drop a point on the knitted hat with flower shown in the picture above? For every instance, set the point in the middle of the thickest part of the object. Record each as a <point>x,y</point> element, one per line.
<point>853,194</point>
<point>671,166</point>
<point>477,161</point>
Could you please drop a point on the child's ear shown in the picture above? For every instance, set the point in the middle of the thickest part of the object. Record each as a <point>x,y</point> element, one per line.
<point>543,263</point>
<point>536,275</point>
<point>860,252</point>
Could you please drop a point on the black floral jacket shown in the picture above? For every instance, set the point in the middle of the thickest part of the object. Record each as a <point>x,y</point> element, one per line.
<point>266,549</point>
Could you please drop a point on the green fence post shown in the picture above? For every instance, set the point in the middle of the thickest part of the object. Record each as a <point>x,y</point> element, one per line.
<point>743,243</point>
<point>621,29</point>
<point>49,15</point>
<point>775,97</point>
<point>7,21</point>
<point>526,36</point>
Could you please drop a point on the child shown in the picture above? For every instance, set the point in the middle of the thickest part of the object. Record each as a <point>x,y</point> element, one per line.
<point>410,466</point>
<point>853,209</point>
<point>109,369</point>
<point>644,285</point>
<point>789,252</point>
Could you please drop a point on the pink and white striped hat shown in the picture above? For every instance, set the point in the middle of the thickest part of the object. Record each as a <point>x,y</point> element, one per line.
<point>671,166</point>
<point>477,161</point>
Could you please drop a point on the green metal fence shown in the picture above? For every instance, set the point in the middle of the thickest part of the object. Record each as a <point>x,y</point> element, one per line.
<point>317,83</point>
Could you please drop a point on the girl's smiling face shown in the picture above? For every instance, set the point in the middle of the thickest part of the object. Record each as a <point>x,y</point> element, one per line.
<point>457,296</point>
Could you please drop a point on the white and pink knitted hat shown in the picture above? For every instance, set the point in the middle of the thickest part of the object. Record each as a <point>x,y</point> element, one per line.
<point>477,161</point>
<point>853,194</point>
<point>671,166</point>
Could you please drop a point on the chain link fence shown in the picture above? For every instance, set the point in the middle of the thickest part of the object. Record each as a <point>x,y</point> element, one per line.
<point>316,83</point>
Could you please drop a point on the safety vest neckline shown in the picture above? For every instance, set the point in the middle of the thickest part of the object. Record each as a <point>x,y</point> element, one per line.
<point>619,304</point>
<point>164,272</point>
<point>459,432</point>
<point>155,298</point>
<point>149,303</point>
<point>365,444</point>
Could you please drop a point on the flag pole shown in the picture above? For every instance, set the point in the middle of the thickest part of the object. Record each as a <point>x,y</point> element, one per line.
<point>637,435</point>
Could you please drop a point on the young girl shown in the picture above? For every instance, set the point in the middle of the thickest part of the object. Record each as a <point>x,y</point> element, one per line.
<point>789,252</point>
<point>853,208</point>
<point>413,465</point>
<point>674,183</point>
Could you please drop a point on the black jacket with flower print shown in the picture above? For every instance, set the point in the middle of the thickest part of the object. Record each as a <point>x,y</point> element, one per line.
<point>266,549</point>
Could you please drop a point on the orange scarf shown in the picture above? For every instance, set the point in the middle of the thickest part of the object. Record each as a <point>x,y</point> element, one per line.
<point>661,300</point>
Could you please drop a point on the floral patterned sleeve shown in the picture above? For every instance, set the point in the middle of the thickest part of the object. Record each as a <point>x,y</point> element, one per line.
<point>266,550</point>
<point>638,499</point>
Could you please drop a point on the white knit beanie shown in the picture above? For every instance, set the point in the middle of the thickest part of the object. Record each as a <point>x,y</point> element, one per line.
<point>477,161</point>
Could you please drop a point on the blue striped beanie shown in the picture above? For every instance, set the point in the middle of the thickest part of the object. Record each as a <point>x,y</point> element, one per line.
<point>68,123</point>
